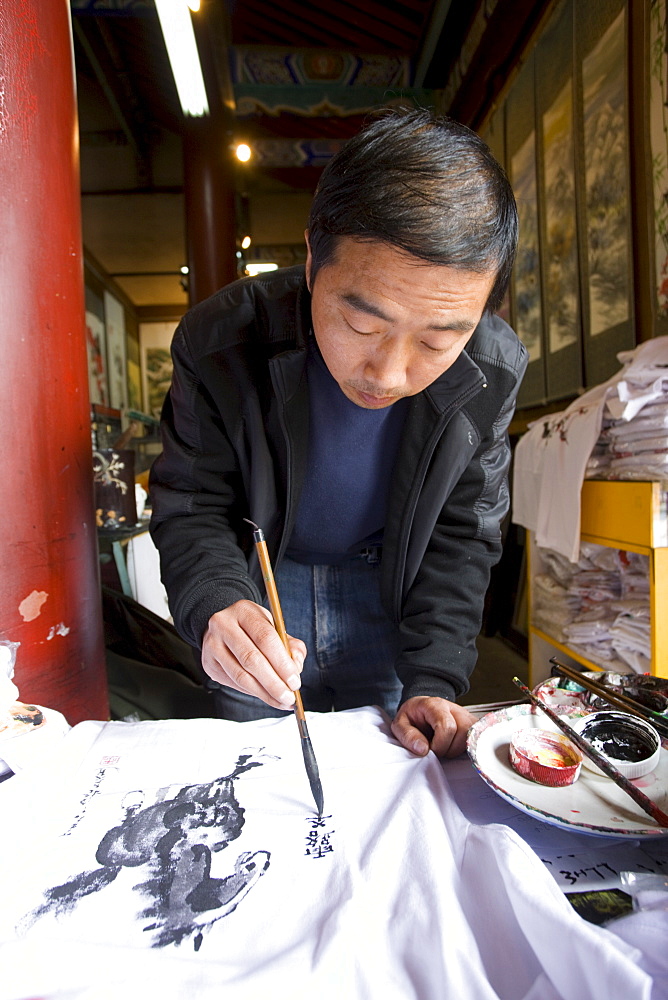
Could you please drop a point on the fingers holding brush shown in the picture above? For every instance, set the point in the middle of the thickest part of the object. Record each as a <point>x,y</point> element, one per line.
<point>242,650</point>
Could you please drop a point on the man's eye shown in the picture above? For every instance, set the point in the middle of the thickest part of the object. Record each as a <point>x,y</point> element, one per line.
<point>362,333</point>
<point>434,350</point>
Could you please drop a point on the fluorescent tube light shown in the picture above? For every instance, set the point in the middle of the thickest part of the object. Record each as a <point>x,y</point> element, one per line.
<point>254,269</point>
<point>177,30</point>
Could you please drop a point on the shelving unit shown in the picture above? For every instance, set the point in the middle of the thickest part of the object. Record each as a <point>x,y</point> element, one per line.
<point>632,516</point>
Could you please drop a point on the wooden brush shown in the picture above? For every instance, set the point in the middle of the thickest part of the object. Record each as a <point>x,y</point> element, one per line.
<point>620,700</point>
<point>275,605</point>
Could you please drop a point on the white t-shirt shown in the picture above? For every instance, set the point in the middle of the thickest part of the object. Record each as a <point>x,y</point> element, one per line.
<point>184,859</point>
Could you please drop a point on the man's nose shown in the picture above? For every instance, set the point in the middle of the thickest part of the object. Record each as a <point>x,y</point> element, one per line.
<point>386,367</point>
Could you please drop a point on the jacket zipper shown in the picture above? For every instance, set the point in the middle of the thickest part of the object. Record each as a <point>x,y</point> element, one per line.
<point>407,522</point>
<point>283,544</point>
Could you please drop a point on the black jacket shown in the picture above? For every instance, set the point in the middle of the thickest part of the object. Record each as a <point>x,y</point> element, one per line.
<point>235,436</point>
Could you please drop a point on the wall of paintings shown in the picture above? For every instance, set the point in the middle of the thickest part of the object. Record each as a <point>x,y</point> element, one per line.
<point>564,125</point>
<point>129,365</point>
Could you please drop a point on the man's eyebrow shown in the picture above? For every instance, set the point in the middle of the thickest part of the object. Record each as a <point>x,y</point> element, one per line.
<point>358,302</point>
<point>456,326</point>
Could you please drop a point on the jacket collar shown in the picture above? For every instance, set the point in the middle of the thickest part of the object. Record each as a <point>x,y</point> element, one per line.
<point>456,384</point>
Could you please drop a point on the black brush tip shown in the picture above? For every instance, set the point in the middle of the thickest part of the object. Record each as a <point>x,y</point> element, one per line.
<point>313,774</point>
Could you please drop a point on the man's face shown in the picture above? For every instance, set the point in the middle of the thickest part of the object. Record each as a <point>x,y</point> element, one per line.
<point>388,325</point>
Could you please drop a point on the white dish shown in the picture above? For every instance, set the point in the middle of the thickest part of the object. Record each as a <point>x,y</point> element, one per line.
<point>593,804</point>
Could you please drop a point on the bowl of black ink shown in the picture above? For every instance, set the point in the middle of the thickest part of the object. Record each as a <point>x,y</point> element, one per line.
<point>628,742</point>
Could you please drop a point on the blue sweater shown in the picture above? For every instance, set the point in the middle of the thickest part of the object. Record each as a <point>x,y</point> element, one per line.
<point>351,453</point>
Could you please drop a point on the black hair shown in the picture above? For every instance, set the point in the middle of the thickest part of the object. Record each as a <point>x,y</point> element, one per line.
<point>424,184</point>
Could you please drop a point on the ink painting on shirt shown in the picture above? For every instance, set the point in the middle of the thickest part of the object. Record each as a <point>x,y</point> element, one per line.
<point>170,843</point>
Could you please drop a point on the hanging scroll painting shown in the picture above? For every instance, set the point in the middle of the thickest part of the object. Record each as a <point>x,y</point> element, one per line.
<point>606,179</point>
<point>97,369</point>
<point>562,261</point>
<point>659,140</point>
<point>155,340</point>
<point>116,352</point>
<point>528,320</point>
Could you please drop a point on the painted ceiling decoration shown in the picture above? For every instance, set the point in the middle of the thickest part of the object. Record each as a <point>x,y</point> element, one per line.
<point>295,152</point>
<point>281,67</point>
<point>301,78</point>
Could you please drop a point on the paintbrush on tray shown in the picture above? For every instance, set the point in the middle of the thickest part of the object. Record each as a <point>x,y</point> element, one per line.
<point>619,699</point>
<point>585,747</point>
<point>272,593</point>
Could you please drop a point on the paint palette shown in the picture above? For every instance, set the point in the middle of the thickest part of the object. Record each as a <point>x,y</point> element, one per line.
<point>594,804</point>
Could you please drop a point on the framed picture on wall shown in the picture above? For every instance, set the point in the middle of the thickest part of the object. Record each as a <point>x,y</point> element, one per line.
<point>134,386</point>
<point>97,366</point>
<point>155,340</point>
<point>116,352</point>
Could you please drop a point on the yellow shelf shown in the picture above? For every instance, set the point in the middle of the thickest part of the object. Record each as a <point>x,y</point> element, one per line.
<point>625,514</point>
<point>632,516</point>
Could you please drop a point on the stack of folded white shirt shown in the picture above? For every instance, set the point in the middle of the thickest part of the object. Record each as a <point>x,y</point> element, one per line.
<point>630,634</point>
<point>638,448</point>
<point>553,606</point>
<point>599,605</point>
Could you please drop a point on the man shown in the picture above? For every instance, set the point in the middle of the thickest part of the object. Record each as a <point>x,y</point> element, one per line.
<point>356,409</point>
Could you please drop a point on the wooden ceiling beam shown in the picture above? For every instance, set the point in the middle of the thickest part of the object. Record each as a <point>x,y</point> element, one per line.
<point>107,69</point>
<point>389,15</point>
<point>359,30</point>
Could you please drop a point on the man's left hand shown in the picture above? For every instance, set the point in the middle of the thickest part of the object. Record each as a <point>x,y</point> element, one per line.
<point>423,724</point>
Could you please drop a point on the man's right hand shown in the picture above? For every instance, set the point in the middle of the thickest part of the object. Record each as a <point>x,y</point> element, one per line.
<point>242,650</point>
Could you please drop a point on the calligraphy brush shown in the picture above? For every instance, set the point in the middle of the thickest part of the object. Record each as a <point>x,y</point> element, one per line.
<point>275,605</point>
<point>585,747</point>
<point>619,699</point>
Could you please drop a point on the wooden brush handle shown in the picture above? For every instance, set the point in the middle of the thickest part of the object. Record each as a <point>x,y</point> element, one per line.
<point>275,605</point>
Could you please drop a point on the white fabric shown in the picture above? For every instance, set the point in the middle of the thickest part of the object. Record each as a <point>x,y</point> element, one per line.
<point>551,458</point>
<point>143,564</point>
<point>412,900</point>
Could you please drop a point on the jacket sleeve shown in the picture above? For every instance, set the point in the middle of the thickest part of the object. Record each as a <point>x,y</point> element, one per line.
<point>442,611</point>
<point>197,497</point>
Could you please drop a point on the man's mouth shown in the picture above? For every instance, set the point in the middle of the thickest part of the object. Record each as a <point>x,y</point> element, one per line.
<point>372,399</point>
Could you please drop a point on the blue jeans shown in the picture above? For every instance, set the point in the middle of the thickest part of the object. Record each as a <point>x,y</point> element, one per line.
<point>352,644</point>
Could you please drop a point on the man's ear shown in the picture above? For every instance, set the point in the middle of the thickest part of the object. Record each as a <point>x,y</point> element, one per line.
<point>308,260</point>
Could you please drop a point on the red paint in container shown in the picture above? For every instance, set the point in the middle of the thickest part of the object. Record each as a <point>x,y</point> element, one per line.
<point>545,757</point>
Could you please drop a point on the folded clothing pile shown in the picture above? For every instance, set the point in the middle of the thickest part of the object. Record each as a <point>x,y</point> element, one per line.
<point>634,447</point>
<point>599,606</point>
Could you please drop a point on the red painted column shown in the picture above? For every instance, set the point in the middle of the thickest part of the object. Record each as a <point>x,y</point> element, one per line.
<point>49,592</point>
<point>210,207</point>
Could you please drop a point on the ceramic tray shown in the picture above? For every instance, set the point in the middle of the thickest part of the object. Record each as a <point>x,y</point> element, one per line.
<point>594,804</point>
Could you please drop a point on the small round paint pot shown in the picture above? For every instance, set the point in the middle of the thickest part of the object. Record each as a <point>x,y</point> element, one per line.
<point>627,741</point>
<point>545,757</point>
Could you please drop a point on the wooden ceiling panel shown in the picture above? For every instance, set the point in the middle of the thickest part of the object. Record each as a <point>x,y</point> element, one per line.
<point>373,27</point>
